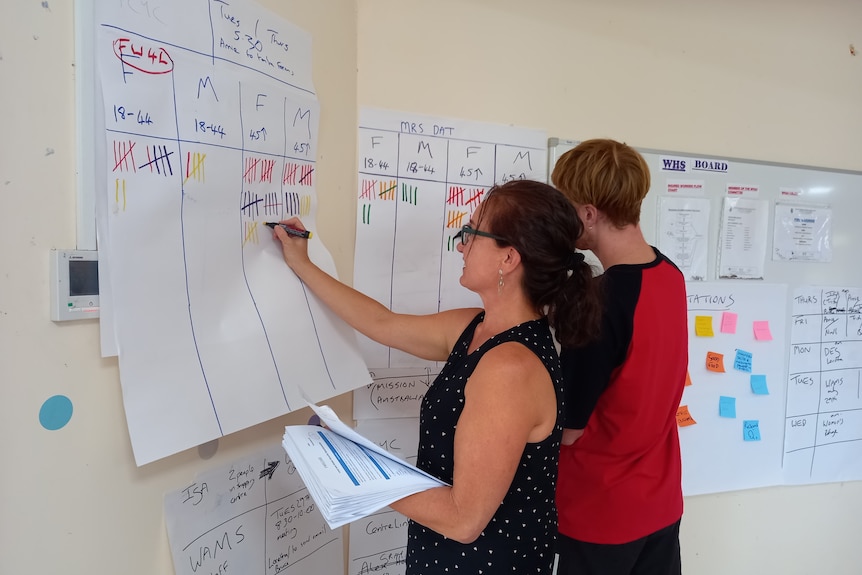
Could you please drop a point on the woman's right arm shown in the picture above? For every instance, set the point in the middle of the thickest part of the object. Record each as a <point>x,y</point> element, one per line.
<point>426,336</point>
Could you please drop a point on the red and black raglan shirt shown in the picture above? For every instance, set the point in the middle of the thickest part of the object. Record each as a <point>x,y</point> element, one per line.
<point>622,479</point>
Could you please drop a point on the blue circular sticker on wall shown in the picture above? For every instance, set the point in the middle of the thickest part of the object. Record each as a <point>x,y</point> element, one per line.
<point>55,412</point>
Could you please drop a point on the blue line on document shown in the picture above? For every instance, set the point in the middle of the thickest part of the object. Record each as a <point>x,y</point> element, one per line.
<point>374,461</point>
<point>338,457</point>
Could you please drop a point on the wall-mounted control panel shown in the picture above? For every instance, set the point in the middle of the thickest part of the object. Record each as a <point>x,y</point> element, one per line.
<point>74,284</point>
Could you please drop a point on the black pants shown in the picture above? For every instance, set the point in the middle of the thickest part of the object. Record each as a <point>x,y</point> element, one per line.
<point>655,554</point>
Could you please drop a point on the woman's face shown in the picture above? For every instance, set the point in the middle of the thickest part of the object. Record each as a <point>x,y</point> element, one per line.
<point>481,260</point>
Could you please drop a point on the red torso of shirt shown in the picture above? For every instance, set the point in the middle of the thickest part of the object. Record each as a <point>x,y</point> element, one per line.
<point>622,479</point>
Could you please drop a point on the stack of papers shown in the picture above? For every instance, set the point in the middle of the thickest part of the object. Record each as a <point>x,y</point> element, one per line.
<point>348,476</point>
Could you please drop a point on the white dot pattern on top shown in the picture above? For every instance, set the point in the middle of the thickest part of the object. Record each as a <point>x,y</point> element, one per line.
<point>520,537</point>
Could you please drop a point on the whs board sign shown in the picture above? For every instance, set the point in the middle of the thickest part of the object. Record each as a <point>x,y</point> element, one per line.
<point>675,164</point>
<point>705,165</point>
<point>684,165</point>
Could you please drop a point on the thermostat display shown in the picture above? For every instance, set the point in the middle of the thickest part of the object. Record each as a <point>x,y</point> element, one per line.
<point>74,284</point>
<point>83,277</point>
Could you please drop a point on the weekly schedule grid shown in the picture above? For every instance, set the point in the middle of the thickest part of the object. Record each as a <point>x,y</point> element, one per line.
<point>823,434</point>
<point>211,129</point>
<point>420,179</point>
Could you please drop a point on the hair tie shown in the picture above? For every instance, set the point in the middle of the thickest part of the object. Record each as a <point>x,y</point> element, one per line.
<point>575,259</point>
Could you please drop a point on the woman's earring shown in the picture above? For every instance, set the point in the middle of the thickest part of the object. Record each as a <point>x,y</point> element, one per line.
<point>500,283</point>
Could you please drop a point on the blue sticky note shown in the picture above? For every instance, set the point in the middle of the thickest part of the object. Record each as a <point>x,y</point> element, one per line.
<point>758,385</point>
<point>727,406</point>
<point>751,430</point>
<point>742,361</point>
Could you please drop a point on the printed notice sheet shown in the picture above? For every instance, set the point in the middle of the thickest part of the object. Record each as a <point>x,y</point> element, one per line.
<point>802,233</point>
<point>349,476</point>
<point>742,238</point>
<point>683,234</point>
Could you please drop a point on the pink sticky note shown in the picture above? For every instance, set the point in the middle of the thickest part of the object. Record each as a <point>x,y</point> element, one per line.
<point>761,331</point>
<point>728,322</point>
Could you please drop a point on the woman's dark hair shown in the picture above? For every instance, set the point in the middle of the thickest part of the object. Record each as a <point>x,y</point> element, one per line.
<point>543,225</point>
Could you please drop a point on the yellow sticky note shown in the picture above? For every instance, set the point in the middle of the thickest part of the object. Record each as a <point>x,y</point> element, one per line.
<point>683,417</point>
<point>703,326</point>
<point>715,362</point>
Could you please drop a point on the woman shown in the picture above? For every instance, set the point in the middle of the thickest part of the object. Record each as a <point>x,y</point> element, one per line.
<point>490,423</point>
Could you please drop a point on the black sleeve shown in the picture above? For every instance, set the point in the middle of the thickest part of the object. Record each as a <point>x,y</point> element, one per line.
<point>588,370</point>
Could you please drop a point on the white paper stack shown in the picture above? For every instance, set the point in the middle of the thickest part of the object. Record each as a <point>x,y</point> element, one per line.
<point>348,476</point>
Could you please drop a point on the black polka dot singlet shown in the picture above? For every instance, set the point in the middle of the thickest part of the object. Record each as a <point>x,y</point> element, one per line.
<point>520,537</point>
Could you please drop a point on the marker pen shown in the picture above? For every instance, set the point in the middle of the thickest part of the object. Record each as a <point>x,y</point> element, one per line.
<point>291,231</point>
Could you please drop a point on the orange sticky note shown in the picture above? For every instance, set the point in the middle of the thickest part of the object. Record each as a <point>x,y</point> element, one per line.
<point>687,378</point>
<point>761,331</point>
<point>715,362</point>
<point>683,417</point>
<point>703,326</point>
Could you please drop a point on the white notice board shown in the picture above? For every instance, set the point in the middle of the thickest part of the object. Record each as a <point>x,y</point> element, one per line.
<point>818,417</point>
<point>718,453</point>
<point>784,184</point>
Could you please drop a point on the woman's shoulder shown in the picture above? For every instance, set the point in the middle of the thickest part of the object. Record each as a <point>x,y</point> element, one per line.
<point>460,318</point>
<point>464,312</point>
<point>454,322</point>
<point>513,359</point>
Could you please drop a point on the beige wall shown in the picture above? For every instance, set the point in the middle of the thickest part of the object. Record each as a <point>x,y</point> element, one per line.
<point>765,79</point>
<point>768,80</point>
<point>73,501</point>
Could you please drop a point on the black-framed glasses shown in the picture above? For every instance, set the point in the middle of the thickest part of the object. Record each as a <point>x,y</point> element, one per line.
<point>466,232</point>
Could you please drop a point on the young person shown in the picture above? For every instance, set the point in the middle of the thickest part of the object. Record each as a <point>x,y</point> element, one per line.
<point>490,423</point>
<point>619,493</point>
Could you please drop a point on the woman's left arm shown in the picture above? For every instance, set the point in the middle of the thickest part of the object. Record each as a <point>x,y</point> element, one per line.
<point>509,402</point>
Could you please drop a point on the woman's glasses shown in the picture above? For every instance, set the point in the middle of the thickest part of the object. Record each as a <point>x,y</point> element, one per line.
<point>466,233</point>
